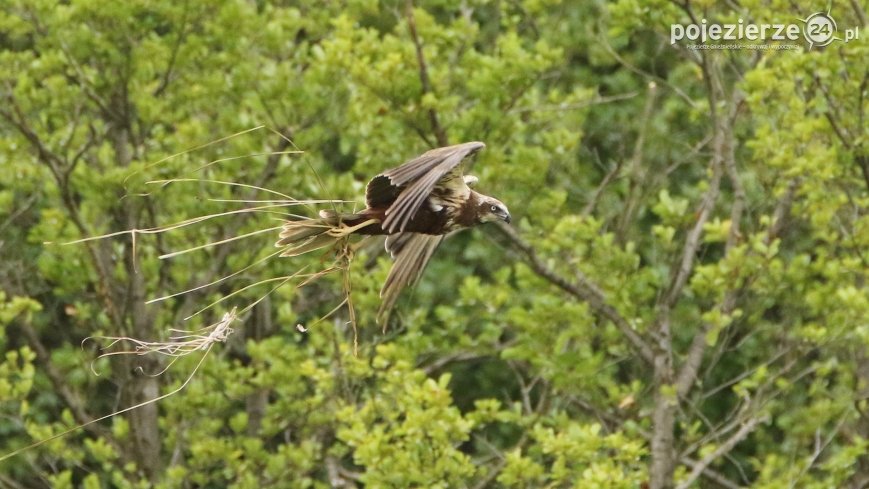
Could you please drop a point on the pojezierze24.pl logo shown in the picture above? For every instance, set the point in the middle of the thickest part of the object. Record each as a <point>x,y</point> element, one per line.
<point>818,29</point>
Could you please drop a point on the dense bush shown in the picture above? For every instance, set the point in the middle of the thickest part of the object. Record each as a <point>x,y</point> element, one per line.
<point>681,299</point>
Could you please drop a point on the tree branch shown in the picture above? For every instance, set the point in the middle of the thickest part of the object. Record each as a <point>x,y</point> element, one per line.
<point>176,47</point>
<point>688,373</point>
<point>725,448</point>
<point>613,419</point>
<point>61,384</point>
<point>55,164</point>
<point>595,196</point>
<point>635,170</point>
<point>692,240</point>
<point>666,402</point>
<point>436,127</point>
<point>584,290</point>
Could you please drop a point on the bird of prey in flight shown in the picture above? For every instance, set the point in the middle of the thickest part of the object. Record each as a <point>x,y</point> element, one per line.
<point>415,205</point>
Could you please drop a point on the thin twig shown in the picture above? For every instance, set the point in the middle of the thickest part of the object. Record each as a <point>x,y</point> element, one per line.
<point>724,448</point>
<point>424,79</point>
<point>584,290</point>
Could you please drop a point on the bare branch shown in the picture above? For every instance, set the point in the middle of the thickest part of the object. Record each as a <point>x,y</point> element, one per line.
<point>595,196</point>
<point>55,164</point>
<point>725,447</point>
<point>436,127</point>
<point>176,48</point>
<point>711,474</point>
<point>60,383</point>
<point>664,413</point>
<point>442,361</point>
<point>820,447</point>
<point>338,475</point>
<point>782,209</point>
<point>19,211</point>
<point>692,241</point>
<point>635,170</point>
<point>598,100</point>
<point>608,418</point>
<point>584,290</point>
<point>688,374</point>
<point>604,41</point>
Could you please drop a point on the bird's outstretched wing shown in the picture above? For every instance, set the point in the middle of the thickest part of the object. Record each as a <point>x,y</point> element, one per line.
<point>411,252</point>
<point>414,181</point>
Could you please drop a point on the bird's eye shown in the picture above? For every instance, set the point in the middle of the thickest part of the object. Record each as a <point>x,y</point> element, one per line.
<point>494,208</point>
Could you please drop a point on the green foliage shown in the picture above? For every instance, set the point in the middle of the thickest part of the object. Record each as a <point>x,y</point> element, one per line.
<point>507,366</point>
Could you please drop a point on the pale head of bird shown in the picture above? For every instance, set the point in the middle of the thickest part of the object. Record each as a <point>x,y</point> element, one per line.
<point>491,209</point>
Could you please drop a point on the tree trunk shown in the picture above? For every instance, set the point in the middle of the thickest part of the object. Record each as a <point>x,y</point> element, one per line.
<point>139,385</point>
<point>664,415</point>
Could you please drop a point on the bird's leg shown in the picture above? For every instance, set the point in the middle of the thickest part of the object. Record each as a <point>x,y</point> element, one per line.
<point>343,230</point>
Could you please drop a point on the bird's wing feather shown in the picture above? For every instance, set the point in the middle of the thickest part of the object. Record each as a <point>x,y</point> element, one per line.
<point>380,192</point>
<point>411,252</point>
<point>438,167</point>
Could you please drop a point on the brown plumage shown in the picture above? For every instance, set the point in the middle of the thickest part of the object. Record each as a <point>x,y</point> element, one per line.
<point>416,205</point>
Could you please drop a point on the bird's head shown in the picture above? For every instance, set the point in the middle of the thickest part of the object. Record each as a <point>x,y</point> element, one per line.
<point>492,209</point>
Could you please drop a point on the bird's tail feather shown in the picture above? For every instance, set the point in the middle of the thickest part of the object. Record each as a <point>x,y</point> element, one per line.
<point>302,236</point>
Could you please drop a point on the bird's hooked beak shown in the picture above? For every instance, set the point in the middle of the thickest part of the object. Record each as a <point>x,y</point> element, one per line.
<point>503,213</point>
